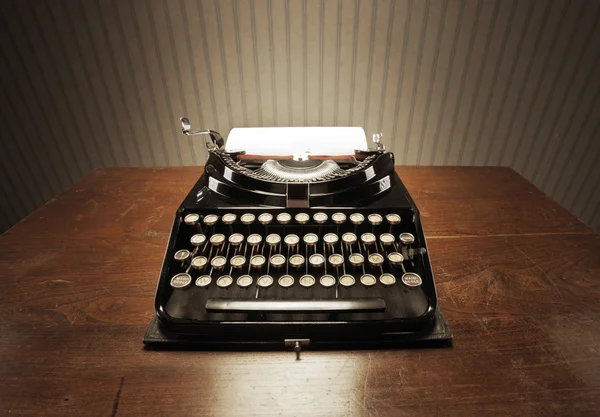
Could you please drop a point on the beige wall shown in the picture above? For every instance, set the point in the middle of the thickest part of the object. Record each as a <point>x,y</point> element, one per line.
<point>102,83</point>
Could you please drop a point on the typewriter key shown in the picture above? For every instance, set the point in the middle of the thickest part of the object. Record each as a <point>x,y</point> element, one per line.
<point>224,281</point>
<point>238,261</point>
<point>407,238</point>
<point>368,280</point>
<point>264,281</point>
<point>218,262</point>
<point>320,218</point>
<point>254,239</point>
<point>357,218</point>
<point>211,219</point>
<point>410,279</point>
<point>316,260</point>
<point>203,281</point>
<point>265,218</point>
<point>375,259</point>
<point>217,240</point>
<point>182,255</point>
<point>273,239</point>
<point>336,260</point>
<point>236,239</point>
<point>302,218</point>
<point>368,238</point>
<point>286,281</point>
<point>296,261</point>
<point>392,218</point>
<point>291,240</point>
<point>347,280</point>
<point>191,219</point>
<point>244,281</point>
<point>198,240</point>
<point>247,218</point>
<point>330,238</point>
<point>310,239</point>
<point>257,261</point>
<point>181,280</point>
<point>387,239</point>
<point>327,281</point>
<point>356,259</point>
<point>375,219</point>
<point>284,218</point>
<point>349,238</point>
<point>277,261</point>
<point>395,258</point>
<point>387,279</point>
<point>199,262</point>
<point>229,218</point>
<point>307,281</point>
<point>338,218</point>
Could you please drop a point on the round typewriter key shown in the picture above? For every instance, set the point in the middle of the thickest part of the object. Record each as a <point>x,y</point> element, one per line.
<point>199,262</point>
<point>291,240</point>
<point>218,262</point>
<point>211,219</point>
<point>336,260</point>
<point>236,239</point>
<point>265,218</point>
<point>257,261</point>
<point>368,280</point>
<point>191,219</point>
<point>349,238</point>
<point>395,258</point>
<point>296,261</point>
<point>182,255</point>
<point>357,218</point>
<point>254,239</point>
<point>181,281</point>
<point>229,218</point>
<point>327,281</point>
<point>286,281</point>
<point>277,261</point>
<point>273,239</point>
<point>284,218</point>
<point>264,281</point>
<point>392,218</point>
<point>356,259</point>
<point>316,260</point>
<point>330,238</point>
<point>387,239</point>
<point>407,238</point>
<point>310,239</point>
<point>387,279</point>
<point>224,281</point>
<point>307,281</point>
<point>375,219</point>
<point>320,217</point>
<point>375,259</point>
<point>244,281</point>
<point>247,218</point>
<point>368,238</point>
<point>203,281</point>
<point>410,279</point>
<point>338,218</point>
<point>347,280</point>
<point>302,218</point>
<point>198,240</point>
<point>217,240</point>
<point>238,261</point>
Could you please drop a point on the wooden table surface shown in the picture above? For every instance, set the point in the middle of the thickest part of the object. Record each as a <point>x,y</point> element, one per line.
<point>518,278</point>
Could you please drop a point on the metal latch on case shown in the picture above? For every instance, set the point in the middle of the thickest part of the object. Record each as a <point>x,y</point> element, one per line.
<point>297,345</point>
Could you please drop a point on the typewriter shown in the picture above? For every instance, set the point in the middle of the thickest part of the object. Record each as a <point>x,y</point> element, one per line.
<point>296,237</point>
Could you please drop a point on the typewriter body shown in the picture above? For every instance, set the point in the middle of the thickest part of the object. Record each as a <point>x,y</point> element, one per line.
<point>292,237</point>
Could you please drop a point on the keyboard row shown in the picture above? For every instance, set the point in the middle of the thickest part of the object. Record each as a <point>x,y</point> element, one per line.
<point>284,218</point>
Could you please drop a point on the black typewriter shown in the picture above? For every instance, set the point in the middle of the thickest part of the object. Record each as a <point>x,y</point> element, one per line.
<point>296,250</point>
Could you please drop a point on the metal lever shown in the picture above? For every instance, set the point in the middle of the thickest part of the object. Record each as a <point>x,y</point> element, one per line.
<point>377,141</point>
<point>216,141</point>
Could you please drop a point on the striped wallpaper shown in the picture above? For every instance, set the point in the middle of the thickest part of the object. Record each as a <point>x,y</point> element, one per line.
<point>449,82</point>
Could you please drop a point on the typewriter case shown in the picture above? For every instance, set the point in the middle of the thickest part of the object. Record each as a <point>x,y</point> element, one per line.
<point>235,184</point>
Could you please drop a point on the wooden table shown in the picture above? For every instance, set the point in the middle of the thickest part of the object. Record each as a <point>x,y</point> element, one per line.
<point>518,278</point>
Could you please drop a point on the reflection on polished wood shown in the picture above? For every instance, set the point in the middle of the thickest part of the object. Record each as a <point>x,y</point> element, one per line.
<point>518,278</point>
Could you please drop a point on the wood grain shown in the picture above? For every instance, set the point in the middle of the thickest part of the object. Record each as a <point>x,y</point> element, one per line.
<point>521,291</point>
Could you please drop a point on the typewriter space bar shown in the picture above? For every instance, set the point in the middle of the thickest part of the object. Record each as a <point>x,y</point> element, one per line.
<point>296,306</point>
